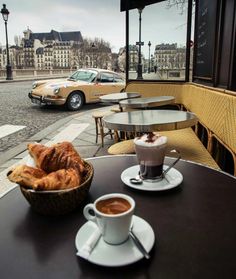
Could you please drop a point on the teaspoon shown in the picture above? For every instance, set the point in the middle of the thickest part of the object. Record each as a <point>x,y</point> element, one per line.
<point>138,244</point>
<point>136,180</point>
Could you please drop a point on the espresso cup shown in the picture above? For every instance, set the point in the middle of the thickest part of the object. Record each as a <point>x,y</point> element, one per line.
<point>151,151</point>
<point>113,215</point>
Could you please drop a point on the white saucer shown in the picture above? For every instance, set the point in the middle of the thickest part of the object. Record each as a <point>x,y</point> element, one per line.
<point>117,255</point>
<point>172,179</point>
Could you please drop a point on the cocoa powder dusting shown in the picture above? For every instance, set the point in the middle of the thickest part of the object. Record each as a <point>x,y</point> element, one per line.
<point>150,137</point>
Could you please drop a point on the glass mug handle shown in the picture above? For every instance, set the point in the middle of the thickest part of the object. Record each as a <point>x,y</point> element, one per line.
<point>174,163</point>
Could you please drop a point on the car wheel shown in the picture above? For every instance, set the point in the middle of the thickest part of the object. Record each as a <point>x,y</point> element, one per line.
<point>75,101</point>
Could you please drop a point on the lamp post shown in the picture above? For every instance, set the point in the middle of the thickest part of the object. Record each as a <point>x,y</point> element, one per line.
<point>140,43</point>
<point>149,45</point>
<point>93,48</point>
<point>5,13</point>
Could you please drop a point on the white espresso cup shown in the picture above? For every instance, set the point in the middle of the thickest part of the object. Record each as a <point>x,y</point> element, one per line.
<point>113,215</point>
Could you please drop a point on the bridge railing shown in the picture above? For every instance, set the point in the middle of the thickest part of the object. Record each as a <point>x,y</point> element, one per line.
<point>32,73</point>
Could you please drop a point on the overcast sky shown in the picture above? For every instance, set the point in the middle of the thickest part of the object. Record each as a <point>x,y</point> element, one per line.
<point>94,18</point>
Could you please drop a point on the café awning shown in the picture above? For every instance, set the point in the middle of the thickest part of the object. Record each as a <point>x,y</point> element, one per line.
<point>133,4</point>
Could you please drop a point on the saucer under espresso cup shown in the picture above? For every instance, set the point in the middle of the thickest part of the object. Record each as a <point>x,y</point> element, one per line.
<point>112,213</point>
<point>123,254</point>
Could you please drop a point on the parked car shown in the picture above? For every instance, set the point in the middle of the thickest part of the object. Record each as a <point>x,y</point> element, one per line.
<point>83,86</point>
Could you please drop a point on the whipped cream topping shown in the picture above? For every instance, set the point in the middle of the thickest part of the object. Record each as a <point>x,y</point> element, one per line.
<point>150,139</point>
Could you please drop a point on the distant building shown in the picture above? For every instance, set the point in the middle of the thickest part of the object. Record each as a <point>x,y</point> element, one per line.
<point>59,50</point>
<point>50,50</point>
<point>133,58</point>
<point>1,58</point>
<point>169,56</point>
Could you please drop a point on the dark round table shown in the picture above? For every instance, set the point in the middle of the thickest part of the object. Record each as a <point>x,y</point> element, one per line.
<point>194,226</point>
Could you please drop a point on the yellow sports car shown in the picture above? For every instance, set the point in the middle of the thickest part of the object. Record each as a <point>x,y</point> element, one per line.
<point>83,86</point>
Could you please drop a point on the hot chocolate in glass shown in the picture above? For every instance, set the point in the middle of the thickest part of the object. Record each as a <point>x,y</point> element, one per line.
<point>151,149</point>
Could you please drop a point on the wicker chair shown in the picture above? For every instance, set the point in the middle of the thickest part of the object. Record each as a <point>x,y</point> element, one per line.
<point>123,147</point>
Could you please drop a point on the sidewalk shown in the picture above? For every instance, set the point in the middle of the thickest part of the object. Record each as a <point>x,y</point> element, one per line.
<point>79,129</point>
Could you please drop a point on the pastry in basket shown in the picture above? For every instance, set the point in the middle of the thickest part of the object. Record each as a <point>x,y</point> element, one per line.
<point>25,175</point>
<point>37,179</point>
<point>58,180</point>
<point>59,156</point>
<point>58,167</point>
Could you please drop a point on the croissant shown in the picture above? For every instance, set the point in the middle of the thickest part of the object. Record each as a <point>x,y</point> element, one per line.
<point>41,154</point>
<point>58,180</point>
<point>25,175</point>
<point>68,157</point>
<point>59,156</point>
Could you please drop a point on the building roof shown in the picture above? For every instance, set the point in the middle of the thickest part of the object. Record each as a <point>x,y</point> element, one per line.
<point>39,50</point>
<point>28,43</point>
<point>133,48</point>
<point>166,46</point>
<point>58,36</point>
<point>15,47</point>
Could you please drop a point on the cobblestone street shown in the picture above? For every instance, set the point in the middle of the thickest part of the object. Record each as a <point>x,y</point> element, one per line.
<point>17,109</point>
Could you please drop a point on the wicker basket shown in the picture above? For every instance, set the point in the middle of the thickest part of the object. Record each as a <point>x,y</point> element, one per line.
<point>58,202</point>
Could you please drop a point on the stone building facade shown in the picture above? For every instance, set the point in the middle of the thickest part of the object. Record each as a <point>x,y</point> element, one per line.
<point>169,56</point>
<point>57,50</point>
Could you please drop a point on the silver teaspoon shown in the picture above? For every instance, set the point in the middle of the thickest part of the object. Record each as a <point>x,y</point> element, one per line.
<point>136,180</point>
<point>138,244</point>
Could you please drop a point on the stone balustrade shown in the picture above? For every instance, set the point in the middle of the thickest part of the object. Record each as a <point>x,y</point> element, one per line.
<point>32,73</point>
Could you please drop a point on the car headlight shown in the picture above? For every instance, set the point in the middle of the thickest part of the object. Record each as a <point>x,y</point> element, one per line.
<point>34,85</point>
<point>56,90</point>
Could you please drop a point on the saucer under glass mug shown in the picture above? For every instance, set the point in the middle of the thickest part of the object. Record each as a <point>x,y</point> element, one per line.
<point>147,173</point>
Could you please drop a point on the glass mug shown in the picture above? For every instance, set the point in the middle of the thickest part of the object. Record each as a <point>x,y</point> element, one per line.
<point>113,215</point>
<point>151,155</point>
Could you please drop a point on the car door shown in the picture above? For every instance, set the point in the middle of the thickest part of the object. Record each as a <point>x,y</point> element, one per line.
<point>107,84</point>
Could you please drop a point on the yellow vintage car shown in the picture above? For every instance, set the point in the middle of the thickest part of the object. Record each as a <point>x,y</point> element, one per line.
<point>83,86</point>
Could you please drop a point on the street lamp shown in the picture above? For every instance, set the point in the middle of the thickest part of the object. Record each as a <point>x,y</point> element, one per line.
<point>93,48</point>
<point>5,13</point>
<point>140,43</point>
<point>149,45</point>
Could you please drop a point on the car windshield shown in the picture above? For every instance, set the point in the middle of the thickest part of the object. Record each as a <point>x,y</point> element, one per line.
<point>88,76</point>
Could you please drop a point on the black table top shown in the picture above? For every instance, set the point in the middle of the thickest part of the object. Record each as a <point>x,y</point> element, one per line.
<point>194,225</point>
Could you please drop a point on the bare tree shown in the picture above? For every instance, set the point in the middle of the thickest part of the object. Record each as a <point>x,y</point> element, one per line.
<point>180,4</point>
<point>94,53</point>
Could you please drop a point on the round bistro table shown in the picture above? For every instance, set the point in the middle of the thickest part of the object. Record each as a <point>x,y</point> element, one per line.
<point>115,98</point>
<point>150,120</point>
<point>194,226</point>
<point>145,103</point>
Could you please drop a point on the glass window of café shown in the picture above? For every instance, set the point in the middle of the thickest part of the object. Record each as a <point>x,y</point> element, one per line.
<point>157,42</point>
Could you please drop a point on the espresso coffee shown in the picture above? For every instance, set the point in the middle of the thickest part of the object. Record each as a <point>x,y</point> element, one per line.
<point>150,149</point>
<point>113,206</point>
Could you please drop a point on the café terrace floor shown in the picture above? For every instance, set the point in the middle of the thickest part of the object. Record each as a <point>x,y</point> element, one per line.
<point>78,129</point>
